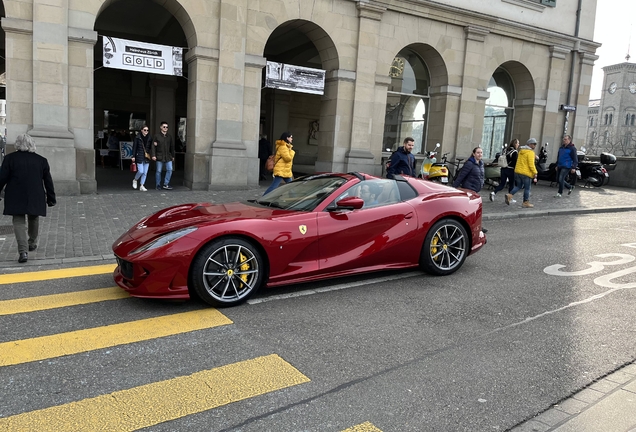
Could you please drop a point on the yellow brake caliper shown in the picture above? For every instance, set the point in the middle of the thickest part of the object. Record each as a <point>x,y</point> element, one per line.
<point>434,244</point>
<point>244,267</point>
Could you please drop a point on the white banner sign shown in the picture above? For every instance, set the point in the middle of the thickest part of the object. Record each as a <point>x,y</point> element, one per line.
<point>142,57</point>
<point>295,78</point>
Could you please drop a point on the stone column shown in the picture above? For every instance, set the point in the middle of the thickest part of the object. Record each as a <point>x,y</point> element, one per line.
<point>202,110</point>
<point>550,117</point>
<point>471,123</point>
<point>50,126</point>
<point>81,48</point>
<point>19,76</point>
<point>336,112</point>
<point>252,113</point>
<point>578,130</point>
<point>360,155</point>
<point>229,162</point>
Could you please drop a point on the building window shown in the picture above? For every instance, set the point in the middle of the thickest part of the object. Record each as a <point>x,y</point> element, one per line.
<point>611,117</point>
<point>591,121</point>
<point>498,114</point>
<point>627,120</point>
<point>406,102</point>
<point>606,118</point>
<point>633,119</point>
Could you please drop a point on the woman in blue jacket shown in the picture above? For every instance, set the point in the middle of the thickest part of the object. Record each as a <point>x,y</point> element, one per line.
<point>472,174</point>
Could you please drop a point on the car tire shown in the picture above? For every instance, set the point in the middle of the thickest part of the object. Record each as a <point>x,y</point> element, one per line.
<point>445,248</point>
<point>226,272</point>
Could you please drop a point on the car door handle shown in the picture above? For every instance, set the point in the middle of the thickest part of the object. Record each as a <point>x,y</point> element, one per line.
<point>409,215</point>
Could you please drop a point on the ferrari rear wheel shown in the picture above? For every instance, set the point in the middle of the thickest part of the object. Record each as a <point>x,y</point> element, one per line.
<point>227,272</point>
<point>445,248</point>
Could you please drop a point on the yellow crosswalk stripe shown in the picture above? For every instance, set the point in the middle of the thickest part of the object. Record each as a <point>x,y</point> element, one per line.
<point>54,301</point>
<point>364,427</point>
<point>56,274</point>
<point>57,345</point>
<point>154,403</point>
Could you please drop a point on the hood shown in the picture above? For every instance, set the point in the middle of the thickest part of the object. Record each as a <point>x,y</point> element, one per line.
<point>186,215</point>
<point>280,143</point>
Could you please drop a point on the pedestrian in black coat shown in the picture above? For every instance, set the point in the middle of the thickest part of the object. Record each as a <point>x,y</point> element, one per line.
<point>29,188</point>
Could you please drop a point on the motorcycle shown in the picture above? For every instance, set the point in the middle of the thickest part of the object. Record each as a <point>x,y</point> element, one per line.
<point>545,171</point>
<point>492,170</point>
<point>592,172</point>
<point>433,170</point>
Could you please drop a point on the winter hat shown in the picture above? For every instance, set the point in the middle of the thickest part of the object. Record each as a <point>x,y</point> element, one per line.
<point>531,141</point>
<point>285,135</point>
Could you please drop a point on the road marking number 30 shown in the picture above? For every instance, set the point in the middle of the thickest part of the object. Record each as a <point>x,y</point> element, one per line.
<point>597,266</point>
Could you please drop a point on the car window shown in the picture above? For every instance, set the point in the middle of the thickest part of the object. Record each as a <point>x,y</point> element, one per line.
<point>406,191</point>
<point>374,193</point>
<point>303,194</point>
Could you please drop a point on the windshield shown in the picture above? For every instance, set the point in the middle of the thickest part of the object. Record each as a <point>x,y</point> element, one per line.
<point>302,194</point>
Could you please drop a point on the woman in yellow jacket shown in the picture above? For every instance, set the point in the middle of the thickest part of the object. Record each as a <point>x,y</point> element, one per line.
<point>283,160</point>
<point>525,172</point>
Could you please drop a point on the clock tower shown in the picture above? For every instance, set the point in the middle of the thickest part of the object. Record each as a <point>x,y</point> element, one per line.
<point>611,125</point>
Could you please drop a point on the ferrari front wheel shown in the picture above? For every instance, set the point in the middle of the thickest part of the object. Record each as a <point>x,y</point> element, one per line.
<point>227,272</point>
<point>445,248</point>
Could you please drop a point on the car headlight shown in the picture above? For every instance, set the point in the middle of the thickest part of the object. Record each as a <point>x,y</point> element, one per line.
<point>164,240</point>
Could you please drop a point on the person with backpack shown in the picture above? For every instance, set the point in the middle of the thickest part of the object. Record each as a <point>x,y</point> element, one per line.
<point>402,160</point>
<point>507,170</point>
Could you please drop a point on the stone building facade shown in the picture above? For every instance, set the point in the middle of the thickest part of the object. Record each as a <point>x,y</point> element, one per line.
<point>458,72</point>
<point>611,123</point>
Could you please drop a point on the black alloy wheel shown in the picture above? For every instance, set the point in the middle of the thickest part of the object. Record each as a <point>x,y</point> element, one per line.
<point>227,272</point>
<point>445,248</point>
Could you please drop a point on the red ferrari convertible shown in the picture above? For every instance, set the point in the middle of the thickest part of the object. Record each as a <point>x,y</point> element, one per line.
<point>316,227</point>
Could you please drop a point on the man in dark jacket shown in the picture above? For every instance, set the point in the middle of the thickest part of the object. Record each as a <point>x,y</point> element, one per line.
<point>27,177</point>
<point>402,160</point>
<point>163,153</point>
<point>264,151</point>
<point>566,164</point>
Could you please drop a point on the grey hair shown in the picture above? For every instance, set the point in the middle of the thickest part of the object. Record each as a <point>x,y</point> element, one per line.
<point>25,142</point>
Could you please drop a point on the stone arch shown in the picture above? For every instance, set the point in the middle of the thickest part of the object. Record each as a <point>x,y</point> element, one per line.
<point>302,43</point>
<point>174,7</point>
<point>144,96</point>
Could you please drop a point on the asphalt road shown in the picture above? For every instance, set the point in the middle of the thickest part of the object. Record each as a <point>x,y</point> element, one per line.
<point>503,339</point>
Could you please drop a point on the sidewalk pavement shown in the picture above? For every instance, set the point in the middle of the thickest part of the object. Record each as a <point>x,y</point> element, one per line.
<point>81,229</point>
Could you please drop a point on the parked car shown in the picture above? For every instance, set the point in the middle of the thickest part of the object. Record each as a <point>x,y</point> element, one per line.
<point>316,227</point>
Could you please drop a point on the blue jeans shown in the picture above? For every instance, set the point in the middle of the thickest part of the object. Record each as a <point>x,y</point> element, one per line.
<point>509,175</point>
<point>276,183</point>
<point>524,182</point>
<point>562,175</point>
<point>142,172</point>
<point>166,181</point>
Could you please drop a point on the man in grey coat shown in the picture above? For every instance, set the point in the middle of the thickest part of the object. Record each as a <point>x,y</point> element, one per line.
<point>29,187</point>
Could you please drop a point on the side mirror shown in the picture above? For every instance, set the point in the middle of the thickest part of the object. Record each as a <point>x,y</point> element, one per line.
<point>437,146</point>
<point>350,203</point>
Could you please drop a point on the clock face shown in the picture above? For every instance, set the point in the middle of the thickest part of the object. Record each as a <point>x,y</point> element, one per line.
<point>612,88</point>
<point>397,67</point>
<point>632,88</point>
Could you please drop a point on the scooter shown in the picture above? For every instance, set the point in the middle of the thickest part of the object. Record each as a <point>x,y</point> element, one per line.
<point>544,171</point>
<point>594,173</point>
<point>432,170</point>
<point>492,170</point>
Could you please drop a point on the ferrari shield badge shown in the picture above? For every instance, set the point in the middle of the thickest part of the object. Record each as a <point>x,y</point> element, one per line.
<point>302,229</point>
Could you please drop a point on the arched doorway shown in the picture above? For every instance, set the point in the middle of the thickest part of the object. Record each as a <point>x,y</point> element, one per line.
<point>499,113</point>
<point>407,102</point>
<point>126,99</point>
<point>300,43</point>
